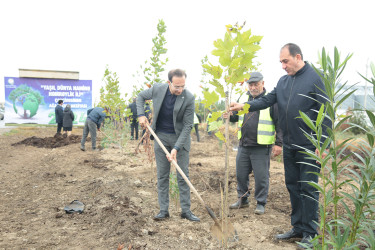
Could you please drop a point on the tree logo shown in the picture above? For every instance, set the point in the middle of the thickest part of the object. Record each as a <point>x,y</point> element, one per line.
<point>26,101</point>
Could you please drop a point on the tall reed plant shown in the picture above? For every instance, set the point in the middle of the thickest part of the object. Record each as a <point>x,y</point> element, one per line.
<point>347,196</point>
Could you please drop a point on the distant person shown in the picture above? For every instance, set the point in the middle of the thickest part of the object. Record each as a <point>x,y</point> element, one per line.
<point>301,89</point>
<point>95,118</point>
<point>197,120</point>
<point>59,115</point>
<point>148,114</point>
<point>173,119</point>
<point>259,131</point>
<point>68,118</point>
<point>208,124</point>
<point>134,125</point>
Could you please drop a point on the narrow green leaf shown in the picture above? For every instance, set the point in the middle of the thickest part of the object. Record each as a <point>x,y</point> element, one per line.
<point>307,120</point>
<point>371,116</point>
<point>324,60</point>
<point>320,117</point>
<point>337,59</point>
<point>370,139</point>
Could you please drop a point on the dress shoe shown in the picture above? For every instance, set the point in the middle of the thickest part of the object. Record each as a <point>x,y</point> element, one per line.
<point>162,215</point>
<point>306,241</point>
<point>288,235</point>
<point>259,209</point>
<point>241,203</point>
<point>190,216</point>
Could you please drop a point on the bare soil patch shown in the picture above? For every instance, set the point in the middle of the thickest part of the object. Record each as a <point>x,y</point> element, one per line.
<point>42,173</point>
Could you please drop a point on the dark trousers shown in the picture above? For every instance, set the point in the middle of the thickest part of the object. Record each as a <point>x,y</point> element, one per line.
<point>163,170</point>
<point>134,126</point>
<point>255,159</point>
<point>59,127</point>
<point>197,131</point>
<point>90,127</point>
<point>303,197</point>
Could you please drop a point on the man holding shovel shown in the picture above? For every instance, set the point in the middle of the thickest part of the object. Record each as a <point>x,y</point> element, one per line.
<point>94,120</point>
<point>173,120</point>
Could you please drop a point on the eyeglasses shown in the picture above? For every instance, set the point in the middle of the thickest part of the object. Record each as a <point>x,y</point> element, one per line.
<point>178,87</point>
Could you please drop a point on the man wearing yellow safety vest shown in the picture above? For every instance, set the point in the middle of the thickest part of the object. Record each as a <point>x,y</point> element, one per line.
<point>259,131</point>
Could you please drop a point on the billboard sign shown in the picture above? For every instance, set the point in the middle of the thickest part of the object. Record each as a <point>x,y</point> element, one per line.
<point>33,100</point>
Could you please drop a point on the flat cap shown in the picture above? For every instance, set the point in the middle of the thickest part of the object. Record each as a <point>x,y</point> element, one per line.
<point>255,77</point>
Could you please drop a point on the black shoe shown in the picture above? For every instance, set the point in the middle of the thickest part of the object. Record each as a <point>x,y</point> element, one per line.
<point>288,235</point>
<point>306,241</point>
<point>162,215</point>
<point>190,216</point>
<point>241,203</point>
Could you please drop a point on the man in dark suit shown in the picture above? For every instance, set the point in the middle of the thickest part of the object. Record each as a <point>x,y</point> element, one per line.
<point>172,122</point>
<point>133,120</point>
<point>59,115</point>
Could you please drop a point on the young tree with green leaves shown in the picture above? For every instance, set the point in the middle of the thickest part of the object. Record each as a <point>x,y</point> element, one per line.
<point>151,70</point>
<point>114,106</point>
<point>236,53</point>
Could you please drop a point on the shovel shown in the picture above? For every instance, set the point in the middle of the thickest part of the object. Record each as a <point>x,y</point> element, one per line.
<point>221,231</point>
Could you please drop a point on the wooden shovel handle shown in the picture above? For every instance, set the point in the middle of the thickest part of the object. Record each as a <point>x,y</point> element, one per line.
<point>210,212</point>
<point>176,165</point>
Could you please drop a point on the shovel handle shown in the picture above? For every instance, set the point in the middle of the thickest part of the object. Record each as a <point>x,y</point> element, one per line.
<point>209,210</point>
<point>176,165</point>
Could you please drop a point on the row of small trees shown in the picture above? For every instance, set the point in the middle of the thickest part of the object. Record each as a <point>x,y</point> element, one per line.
<point>353,225</point>
<point>349,227</point>
<point>115,104</point>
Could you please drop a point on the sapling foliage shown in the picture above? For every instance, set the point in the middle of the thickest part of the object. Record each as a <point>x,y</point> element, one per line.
<point>235,54</point>
<point>150,72</point>
<point>114,106</point>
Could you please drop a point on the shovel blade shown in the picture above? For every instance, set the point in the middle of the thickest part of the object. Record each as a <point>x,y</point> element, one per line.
<point>224,232</point>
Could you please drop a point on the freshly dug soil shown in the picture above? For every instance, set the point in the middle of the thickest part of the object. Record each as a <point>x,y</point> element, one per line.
<point>41,173</point>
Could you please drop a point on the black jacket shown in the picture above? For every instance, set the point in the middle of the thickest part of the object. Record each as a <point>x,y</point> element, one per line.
<point>68,118</point>
<point>133,109</point>
<point>249,129</point>
<point>300,92</point>
<point>59,113</point>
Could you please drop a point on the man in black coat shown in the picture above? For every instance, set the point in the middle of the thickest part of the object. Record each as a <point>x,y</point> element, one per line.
<point>133,119</point>
<point>59,115</point>
<point>300,90</point>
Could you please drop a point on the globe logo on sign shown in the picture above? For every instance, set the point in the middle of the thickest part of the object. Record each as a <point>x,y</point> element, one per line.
<point>26,101</point>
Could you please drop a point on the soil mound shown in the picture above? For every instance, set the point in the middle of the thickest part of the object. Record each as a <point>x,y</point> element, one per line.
<point>58,140</point>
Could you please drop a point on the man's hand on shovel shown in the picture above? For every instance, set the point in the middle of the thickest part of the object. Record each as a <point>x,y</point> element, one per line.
<point>172,155</point>
<point>220,230</point>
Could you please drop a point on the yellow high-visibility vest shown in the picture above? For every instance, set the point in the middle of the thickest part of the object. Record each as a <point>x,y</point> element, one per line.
<point>266,127</point>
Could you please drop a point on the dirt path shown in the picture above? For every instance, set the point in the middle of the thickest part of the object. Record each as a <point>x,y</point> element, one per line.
<point>118,189</point>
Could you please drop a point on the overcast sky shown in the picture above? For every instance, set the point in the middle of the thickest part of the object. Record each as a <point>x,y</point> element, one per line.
<point>85,36</point>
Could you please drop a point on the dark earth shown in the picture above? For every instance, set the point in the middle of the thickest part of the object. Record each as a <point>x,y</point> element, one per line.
<point>41,173</point>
